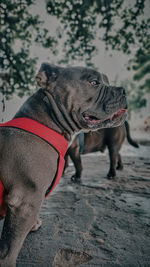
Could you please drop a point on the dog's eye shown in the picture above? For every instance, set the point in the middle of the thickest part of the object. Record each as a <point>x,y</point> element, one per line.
<point>94,82</point>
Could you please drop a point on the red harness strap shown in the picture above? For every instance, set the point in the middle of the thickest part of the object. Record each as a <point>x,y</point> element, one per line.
<point>52,137</point>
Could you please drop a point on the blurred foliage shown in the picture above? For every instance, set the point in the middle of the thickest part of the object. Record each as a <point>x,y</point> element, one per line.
<point>141,66</point>
<point>138,90</point>
<point>135,96</point>
<point>19,30</point>
<point>120,24</point>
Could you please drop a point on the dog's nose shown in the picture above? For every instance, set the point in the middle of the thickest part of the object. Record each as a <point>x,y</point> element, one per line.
<point>118,91</point>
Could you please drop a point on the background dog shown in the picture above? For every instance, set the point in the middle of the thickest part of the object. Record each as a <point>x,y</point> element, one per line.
<point>111,138</point>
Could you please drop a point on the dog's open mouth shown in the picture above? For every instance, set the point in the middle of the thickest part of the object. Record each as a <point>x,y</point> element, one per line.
<point>93,120</point>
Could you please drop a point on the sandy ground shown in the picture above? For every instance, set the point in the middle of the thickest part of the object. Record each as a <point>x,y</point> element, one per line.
<point>97,223</point>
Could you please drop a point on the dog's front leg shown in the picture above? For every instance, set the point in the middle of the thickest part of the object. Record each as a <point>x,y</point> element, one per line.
<point>18,222</point>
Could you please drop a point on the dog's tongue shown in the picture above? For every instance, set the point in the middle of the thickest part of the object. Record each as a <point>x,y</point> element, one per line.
<point>117,113</point>
<point>120,111</point>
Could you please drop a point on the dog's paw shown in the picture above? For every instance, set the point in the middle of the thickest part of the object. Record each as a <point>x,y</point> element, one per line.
<point>119,167</point>
<point>75,179</point>
<point>37,225</point>
<point>111,176</point>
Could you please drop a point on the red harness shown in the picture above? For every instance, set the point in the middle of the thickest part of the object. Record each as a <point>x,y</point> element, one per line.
<point>56,140</point>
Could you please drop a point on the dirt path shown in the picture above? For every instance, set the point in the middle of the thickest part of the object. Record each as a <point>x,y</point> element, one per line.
<point>97,223</point>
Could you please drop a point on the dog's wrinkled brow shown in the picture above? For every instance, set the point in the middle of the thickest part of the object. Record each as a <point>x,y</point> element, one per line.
<point>90,76</point>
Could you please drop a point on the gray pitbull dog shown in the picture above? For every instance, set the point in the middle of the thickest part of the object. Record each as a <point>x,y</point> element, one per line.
<point>69,100</point>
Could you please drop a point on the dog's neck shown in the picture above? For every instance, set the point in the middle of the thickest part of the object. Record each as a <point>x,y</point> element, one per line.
<point>43,108</point>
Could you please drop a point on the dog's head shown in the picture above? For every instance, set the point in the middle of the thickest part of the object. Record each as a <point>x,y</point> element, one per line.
<point>85,94</point>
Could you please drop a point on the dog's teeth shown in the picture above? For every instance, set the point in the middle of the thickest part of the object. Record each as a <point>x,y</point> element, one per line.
<point>87,117</point>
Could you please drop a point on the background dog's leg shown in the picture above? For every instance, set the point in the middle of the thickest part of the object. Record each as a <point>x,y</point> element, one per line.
<point>120,164</point>
<point>113,156</point>
<point>66,162</point>
<point>76,159</point>
<point>18,222</point>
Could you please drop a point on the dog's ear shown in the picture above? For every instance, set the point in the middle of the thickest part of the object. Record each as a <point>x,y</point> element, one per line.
<point>47,73</point>
<point>105,79</point>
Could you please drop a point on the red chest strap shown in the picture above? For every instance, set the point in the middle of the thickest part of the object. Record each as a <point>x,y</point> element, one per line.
<point>55,139</point>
